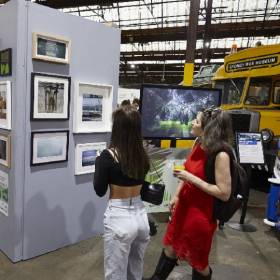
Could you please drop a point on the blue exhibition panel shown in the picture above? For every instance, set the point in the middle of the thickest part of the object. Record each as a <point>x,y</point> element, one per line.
<point>273,207</point>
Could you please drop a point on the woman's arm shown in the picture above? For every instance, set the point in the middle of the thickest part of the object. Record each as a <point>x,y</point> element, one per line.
<point>101,175</point>
<point>222,189</point>
<point>173,202</point>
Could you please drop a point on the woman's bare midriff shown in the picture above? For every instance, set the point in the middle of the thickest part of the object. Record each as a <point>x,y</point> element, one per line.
<point>122,192</point>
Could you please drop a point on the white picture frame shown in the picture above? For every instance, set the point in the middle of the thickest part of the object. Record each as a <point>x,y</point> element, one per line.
<point>85,155</point>
<point>5,105</point>
<point>50,97</point>
<point>49,147</point>
<point>51,48</point>
<point>93,106</point>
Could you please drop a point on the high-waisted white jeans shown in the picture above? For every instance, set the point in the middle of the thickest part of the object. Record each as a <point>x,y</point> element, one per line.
<point>126,235</point>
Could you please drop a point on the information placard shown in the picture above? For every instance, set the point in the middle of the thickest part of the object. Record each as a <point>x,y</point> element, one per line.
<point>250,148</point>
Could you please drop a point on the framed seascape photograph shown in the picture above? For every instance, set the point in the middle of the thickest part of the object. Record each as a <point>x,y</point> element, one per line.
<point>49,146</point>
<point>51,48</point>
<point>50,97</point>
<point>92,108</point>
<point>85,156</point>
<point>5,105</point>
<point>6,62</point>
<point>5,150</point>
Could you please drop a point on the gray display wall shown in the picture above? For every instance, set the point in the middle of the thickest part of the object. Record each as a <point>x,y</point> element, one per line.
<point>50,206</point>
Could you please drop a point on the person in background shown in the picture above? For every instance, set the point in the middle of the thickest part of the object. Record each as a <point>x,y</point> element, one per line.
<point>123,168</point>
<point>136,103</point>
<point>190,232</point>
<point>125,102</point>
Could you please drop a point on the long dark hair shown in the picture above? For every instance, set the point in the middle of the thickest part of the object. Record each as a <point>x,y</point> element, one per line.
<point>217,130</point>
<point>127,141</point>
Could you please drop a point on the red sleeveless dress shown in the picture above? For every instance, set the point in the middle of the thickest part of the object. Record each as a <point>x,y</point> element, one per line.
<point>191,229</point>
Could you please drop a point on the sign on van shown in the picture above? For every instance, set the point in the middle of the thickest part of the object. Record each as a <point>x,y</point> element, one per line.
<point>252,63</point>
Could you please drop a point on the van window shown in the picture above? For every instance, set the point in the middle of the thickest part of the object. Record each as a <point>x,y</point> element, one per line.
<point>258,92</point>
<point>231,90</point>
<point>276,93</point>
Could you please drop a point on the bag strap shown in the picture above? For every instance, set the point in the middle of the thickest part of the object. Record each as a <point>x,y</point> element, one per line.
<point>113,154</point>
<point>159,177</point>
<point>210,163</point>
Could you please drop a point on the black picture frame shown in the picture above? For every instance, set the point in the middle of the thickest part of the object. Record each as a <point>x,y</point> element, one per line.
<point>51,79</point>
<point>52,159</point>
<point>4,64</point>
<point>162,88</point>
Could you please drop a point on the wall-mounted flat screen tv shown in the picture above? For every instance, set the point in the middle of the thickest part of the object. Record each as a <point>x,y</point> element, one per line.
<point>167,111</point>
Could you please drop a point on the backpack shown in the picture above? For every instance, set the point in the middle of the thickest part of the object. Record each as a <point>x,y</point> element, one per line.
<point>224,210</point>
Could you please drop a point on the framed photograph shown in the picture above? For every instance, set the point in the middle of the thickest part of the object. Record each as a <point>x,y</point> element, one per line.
<point>5,150</point>
<point>5,105</point>
<point>6,62</point>
<point>50,97</point>
<point>49,146</point>
<point>4,192</point>
<point>85,156</point>
<point>51,48</point>
<point>92,108</point>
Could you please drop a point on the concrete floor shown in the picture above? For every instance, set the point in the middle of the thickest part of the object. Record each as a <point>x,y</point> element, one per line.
<point>235,255</point>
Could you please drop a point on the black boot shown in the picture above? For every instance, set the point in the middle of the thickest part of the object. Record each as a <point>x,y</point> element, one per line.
<point>164,267</point>
<point>197,276</point>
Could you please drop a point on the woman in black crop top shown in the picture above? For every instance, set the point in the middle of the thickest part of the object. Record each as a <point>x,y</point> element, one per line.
<point>123,168</point>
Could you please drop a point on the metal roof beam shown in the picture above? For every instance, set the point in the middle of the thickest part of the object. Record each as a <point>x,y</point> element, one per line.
<point>217,31</point>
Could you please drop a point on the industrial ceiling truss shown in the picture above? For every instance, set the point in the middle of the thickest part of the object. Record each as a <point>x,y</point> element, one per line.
<point>154,32</point>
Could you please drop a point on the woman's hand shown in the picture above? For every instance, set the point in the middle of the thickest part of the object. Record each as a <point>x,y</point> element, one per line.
<point>182,175</point>
<point>173,202</point>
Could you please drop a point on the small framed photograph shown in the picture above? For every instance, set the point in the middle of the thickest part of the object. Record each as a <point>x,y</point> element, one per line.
<point>92,108</point>
<point>50,97</point>
<point>51,48</point>
<point>85,156</point>
<point>6,62</point>
<point>5,150</point>
<point>49,146</point>
<point>5,105</point>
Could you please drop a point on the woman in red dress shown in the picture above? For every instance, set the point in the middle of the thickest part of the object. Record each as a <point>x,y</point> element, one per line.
<point>190,232</point>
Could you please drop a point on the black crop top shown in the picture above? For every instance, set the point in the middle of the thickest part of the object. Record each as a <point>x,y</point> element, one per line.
<point>108,171</point>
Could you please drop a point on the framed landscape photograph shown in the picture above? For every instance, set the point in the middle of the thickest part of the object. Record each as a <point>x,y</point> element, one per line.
<point>49,146</point>
<point>85,156</point>
<point>5,150</point>
<point>50,97</point>
<point>6,62</point>
<point>5,105</point>
<point>51,48</point>
<point>92,108</point>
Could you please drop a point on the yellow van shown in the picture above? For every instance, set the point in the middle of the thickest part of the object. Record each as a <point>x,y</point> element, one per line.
<point>250,79</point>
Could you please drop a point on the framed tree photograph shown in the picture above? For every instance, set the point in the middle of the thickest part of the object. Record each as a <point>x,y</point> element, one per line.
<point>85,156</point>
<point>92,108</point>
<point>51,48</point>
<point>50,97</point>
<point>5,105</point>
<point>6,62</point>
<point>5,150</point>
<point>49,147</point>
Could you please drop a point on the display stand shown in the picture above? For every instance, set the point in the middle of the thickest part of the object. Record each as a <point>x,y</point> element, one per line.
<point>250,151</point>
<point>49,201</point>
